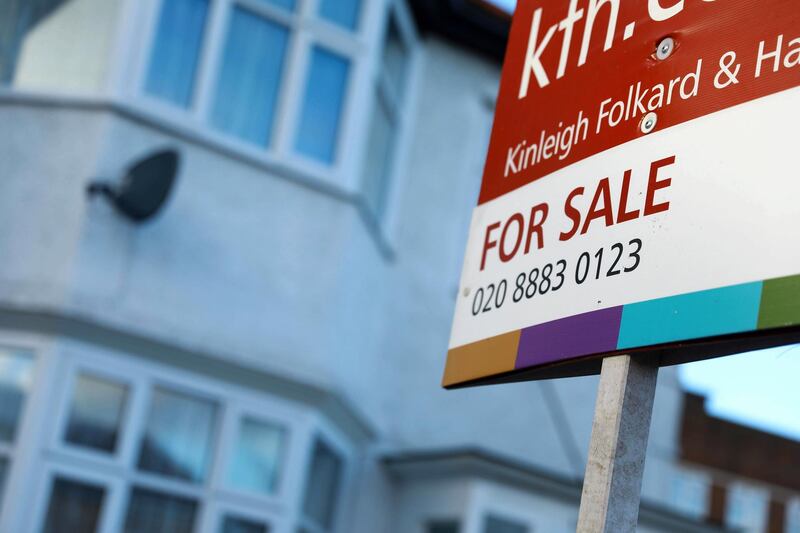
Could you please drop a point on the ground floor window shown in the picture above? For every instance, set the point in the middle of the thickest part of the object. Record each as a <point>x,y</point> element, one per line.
<point>128,445</point>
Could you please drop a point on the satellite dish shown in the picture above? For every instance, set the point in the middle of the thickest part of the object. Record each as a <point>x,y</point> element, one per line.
<point>145,187</point>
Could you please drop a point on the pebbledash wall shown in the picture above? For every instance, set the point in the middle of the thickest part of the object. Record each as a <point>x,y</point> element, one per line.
<point>266,355</point>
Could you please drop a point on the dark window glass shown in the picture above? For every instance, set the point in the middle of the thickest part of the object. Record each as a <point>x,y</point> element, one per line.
<point>379,156</point>
<point>443,526</point>
<point>322,485</point>
<point>495,524</point>
<point>179,434</point>
<point>96,413</point>
<point>16,374</point>
<point>74,507</point>
<point>150,511</point>
<point>3,475</point>
<point>234,524</point>
<point>176,50</point>
<point>395,57</point>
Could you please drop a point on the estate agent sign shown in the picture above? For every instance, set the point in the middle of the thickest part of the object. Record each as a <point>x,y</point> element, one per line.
<point>641,191</point>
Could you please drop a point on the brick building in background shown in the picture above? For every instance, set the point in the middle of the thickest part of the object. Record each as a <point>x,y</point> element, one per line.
<point>266,354</point>
<point>754,477</point>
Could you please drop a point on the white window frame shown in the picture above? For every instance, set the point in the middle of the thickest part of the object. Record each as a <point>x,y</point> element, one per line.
<point>385,225</point>
<point>118,472</point>
<point>34,415</point>
<point>304,27</point>
<point>338,445</point>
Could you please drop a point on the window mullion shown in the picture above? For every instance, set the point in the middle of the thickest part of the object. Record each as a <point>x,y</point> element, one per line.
<point>292,92</point>
<point>211,52</point>
<point>134,423</point>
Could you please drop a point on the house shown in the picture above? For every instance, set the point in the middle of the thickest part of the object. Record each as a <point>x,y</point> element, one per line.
<point>265,354</point>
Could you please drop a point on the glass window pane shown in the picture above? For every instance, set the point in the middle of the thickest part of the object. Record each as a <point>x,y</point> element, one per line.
<point>443,527</point>
<point>342,12</point>
<point>379,158</point>
<point>286,4</point>
<point>96,413</point>
<point>3,475</point>
<point>178,437</point>
<point>234,524</point>
<point>250,77</point>
<point>74,507</point>
<point>176,50</point>
<point>15,22</point>
<point>150,511</point>
<point>322,485</point>
<point>322,105</point>
<point>16,375</point>
<point>395,57</point>
<point>496,524</point>
<point>257,459</point>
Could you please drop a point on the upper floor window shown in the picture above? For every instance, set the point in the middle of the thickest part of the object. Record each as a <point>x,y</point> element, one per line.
<point>689,493</point>
<point>793,515</point>
<point>747,507</point>
<point>276,74</point>
<point>386,117</point>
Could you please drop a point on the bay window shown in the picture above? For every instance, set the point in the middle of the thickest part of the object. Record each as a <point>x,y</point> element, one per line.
<point>387,113</point>
<point>293,79</point>
<point>138,448</point>
<point>261,56</point>
<point>74,507</point>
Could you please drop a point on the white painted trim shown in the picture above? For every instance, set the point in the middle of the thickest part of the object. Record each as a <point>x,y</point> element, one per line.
<point>389,221</point>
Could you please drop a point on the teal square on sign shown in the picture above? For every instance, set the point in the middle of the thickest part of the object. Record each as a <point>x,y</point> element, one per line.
<point>691,316</point>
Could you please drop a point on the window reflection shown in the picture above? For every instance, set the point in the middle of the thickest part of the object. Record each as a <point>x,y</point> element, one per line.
<point>257,457</point>
<point>74,507</point>
<point>96,413</point>
<point>234,524</point>
<point>495,524</point>
<point>178,437</point>
<point>16,375</point>
<point>151,511</point>
<point>322,485</point>
<point>395,57</point>
<point>249,80</point>
<point>176,50</point>
<point>3,476</point>
<point>285,4</point>
<point>341,12</point>
<point>444,526</point>
<point>318,128</point>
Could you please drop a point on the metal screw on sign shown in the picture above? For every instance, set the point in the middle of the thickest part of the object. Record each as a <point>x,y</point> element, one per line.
<point>466,292</point>
<point>665,48</point>
<point>648,123</point>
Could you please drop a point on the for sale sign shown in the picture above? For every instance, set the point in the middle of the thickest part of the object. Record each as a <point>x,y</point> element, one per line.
<point>641,190</point>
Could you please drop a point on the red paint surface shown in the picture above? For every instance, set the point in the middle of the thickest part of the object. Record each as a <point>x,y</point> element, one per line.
<point>703,30</point>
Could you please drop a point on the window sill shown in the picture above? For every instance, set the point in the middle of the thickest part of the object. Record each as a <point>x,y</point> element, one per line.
<point>303,174</point>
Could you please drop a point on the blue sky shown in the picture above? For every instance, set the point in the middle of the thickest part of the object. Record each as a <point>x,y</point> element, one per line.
<point>759,389</point>
<point>507,4</point>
